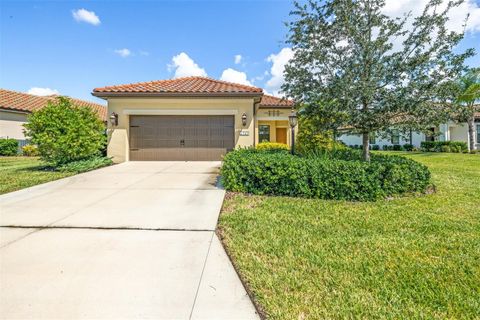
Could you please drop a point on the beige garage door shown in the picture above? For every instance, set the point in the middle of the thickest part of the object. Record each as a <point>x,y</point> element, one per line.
<point>180,137</point>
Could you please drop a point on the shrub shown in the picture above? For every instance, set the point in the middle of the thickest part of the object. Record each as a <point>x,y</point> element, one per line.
<point>408,147</point>
<point>66,133</point>
<point>8,147</point>
<point>441,146</point>
<point>445,148</point>
<point>396,147</point>
<point>312,137</point>
<point>375,147</point>
<point>331,175</point>
<point>30,150</point>
<point>85,165</point>
<point>274,146</point>
<point>355,147</point>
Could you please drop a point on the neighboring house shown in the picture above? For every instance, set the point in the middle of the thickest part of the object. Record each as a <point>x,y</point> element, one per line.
<point>451,131</point>
<point>16,106</point>
<point>192,118</point>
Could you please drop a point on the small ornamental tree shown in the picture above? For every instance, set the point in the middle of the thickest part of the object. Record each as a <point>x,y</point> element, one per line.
<point>64,132</point>
<point>375,71</point>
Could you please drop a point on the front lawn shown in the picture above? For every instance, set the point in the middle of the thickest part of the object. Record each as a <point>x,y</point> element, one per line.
<point>21,172</point>
<point>411,257</point>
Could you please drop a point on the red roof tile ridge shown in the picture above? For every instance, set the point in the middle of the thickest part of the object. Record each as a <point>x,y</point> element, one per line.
<point>179,80</point>
<point>230,83</point>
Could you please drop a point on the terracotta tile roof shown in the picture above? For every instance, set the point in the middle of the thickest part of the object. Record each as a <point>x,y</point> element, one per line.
<point>25,102</point>
<point>188,85</point>
<point>271,101</point>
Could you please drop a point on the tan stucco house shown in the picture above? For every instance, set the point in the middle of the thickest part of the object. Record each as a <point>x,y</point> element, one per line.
<point>16,106</point>
<point>192,118</point>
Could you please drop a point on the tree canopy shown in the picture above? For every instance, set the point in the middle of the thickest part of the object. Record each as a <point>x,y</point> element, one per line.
<point>371,71</point>
<point>64,132</point>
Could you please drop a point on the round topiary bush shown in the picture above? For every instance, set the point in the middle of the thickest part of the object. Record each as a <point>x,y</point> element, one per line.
<point>335,175</point>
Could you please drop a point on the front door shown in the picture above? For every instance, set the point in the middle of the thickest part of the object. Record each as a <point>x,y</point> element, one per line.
<point>281,135</point>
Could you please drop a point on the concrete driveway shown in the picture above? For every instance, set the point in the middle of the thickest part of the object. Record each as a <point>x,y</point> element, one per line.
<point>134,240</point>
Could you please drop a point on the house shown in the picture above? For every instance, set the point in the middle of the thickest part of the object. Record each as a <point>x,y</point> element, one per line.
<point>191,118</point>
<point>16,106</point>
<point>451,131</point>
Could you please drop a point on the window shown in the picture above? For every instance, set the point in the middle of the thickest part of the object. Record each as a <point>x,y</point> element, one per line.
<point>264,133</point>
<point>395,137</point>
<point>371,138</point>
<point>478,133</point>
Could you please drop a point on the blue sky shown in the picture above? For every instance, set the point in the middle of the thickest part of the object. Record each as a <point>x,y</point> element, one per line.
<point>50,44</point>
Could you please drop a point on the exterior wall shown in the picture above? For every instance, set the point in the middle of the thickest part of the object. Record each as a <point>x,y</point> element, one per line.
<point>275,118</point>
<point>11,124</point>
<point>118,137</point>
<point>459,132</point>
<point>445,132</point>
<point>356,139</point>
<point>274,124</point>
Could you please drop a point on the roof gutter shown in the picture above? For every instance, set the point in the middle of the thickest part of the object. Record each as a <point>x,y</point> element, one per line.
<point>14,110</point>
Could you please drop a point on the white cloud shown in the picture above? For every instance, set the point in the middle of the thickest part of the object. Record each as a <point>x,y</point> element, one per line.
<point>42,91</point>
<point>235,76</point>
<point>82,15</point>
<point>123,52</point>
<point>184,66</point>
<point>278,61</point>
<point>238,58</point>
<point>397,8</point>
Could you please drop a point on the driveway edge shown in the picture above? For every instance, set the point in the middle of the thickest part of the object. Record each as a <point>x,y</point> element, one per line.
<point>219,232</point>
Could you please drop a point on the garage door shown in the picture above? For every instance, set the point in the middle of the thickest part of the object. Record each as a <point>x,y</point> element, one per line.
<point>180,137</point>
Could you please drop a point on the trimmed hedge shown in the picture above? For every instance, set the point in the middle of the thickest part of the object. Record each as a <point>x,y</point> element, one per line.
<point>336,175</point>
<point>272,146</point>
<point>444,146</point>
<point>8,147</point>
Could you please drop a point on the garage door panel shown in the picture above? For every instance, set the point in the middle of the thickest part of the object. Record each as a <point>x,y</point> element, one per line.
<point>155,154</point>
<point>180,137</point>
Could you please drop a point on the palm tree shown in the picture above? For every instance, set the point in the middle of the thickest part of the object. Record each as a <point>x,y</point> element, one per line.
<point>469,86</point>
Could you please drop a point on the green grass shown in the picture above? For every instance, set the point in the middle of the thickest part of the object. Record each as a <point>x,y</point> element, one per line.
<point>407,258</point>
<point>21,172</point>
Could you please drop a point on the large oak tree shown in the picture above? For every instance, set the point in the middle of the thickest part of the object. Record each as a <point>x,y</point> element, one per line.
<point>370,70</point>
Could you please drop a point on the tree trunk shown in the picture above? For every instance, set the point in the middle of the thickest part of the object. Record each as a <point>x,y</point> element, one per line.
<point>366,146</point>
<point>471,132</point>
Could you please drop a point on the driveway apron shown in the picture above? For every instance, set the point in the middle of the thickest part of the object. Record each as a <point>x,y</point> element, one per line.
<point>131,241</point>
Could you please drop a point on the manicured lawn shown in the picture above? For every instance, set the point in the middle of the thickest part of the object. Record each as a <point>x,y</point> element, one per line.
<point>407,258</point>
<point>21,172</point>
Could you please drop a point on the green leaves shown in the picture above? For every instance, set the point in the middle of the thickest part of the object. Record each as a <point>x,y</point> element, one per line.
<point>332,175</point>
<point>366,71</point>
<point>8,147</point>
<point>64,132</point>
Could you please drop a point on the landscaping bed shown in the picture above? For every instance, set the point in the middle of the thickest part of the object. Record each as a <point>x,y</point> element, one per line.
<point>406,258</point>
<point>330,175</point>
